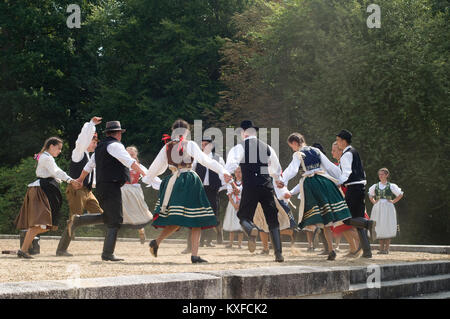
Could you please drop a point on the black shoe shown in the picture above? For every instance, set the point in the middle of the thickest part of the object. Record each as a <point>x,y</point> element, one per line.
<point>279,257</point>
<point>332,255</point>
<point>197,259</point>
<point>111,258</point>
<point>367,255</point>
<point>63,253</point>
<point>22,254</point>
<point>154,248</point>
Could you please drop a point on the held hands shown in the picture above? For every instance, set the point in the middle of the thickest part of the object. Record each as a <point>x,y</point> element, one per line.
<point>287,195</point>
<point>280,184</point>
<point>97,120</point>
<point>76,184</point>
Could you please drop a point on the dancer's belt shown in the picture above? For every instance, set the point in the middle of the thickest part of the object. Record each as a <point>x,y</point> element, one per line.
<point>176,171</point>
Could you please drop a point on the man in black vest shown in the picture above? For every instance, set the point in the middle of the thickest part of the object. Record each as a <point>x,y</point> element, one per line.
<point>354,178</point>
<point>81,199</point>
<point>259,164</point>
<point>112,163</point>
<point>212,184</point>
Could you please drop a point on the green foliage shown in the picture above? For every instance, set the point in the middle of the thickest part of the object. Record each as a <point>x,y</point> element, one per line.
<point>388,86</point>
<point>13,187</point>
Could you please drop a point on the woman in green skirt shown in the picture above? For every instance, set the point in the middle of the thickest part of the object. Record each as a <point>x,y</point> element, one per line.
<point>182,199</point>
<point>322,203</point>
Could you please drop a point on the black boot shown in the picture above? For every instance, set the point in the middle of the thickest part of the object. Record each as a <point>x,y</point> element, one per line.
<point>63,244</point>
<point>197,259</point>
<point>75,222</point>
<point>361,222</point>
<point>252,232</point>
<point>364,242</point>
<point>277,245</point>
<point>110,244</point>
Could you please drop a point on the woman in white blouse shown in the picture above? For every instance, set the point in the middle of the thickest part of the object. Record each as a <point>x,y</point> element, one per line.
<point>182,199</point>
<point>42,203</point>
<point>384,195</point>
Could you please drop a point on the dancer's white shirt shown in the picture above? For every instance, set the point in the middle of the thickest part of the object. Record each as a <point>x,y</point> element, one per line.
<point>82,144</point>
<point>160,164</point>
<point>116,150</point>
<point>237,153</point>
<point>47,168</point>
<point>345,163</point>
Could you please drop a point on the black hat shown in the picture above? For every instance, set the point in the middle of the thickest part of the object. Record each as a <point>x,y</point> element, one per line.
<point>345,135</point>
<point>248,124</point>
<point>207,139</point>
<point>113,126</point>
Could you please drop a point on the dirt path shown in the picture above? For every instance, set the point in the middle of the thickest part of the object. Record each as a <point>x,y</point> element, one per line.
<point>138,260</point>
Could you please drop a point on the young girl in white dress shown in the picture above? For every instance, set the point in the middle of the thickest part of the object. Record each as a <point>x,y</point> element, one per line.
<point>135,210</point>
<point>384,195</point>
<point>231,221</point>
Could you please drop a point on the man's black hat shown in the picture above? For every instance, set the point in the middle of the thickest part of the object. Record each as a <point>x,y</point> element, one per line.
<point>248,124</point>
<point>345,135</point>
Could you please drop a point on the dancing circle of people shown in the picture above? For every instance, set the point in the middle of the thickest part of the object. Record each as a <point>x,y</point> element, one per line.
<point>332,196</point>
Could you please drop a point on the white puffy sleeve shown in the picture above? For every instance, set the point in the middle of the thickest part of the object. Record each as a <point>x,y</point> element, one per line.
<point>292,170</point>
<point>332,169</point>
<point>53,170</point>
<point>396,190</point>
<point>158,167</point>
<point>372,190</point>
<point>193,150</point>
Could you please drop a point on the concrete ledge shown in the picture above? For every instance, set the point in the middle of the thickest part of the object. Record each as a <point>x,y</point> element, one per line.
<point>397,280</point>
<point>173,286</point>
<point>282,282</point>
<point>397,271</point>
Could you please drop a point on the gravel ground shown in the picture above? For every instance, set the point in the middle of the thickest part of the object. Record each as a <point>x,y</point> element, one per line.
<point>138,260</point>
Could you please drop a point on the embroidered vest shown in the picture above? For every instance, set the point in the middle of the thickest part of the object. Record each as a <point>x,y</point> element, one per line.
<point>176,155</point>
<point>385,193</point>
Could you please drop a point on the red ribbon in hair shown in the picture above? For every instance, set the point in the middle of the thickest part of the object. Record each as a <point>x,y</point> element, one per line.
<point>179,144</point>
<point>36,156</point>
<point>165,138</point>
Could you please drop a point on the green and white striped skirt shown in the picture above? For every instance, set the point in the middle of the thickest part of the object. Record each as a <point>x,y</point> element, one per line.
<point>188,205</point>
<point>324,203</point>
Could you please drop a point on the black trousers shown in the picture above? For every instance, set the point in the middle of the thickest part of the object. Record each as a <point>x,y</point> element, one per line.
<point>251,196</point>
<point>355,198</point>
<point>110,199</point>
<point>213,198</point>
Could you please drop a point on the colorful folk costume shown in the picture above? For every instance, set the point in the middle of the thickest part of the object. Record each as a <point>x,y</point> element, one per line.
<point>182,198</point>
<point>354,178</point>
<point>135,210</point>
<point>259,164</point>
<point>83,198</point>
<point>322,203</point>
<point>112,163</point>
<point>383,212</point>
<point>43,200</point>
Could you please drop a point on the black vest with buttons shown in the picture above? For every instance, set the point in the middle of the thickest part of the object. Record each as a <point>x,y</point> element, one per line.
<point>358,173</point>
<point>76,168</point>
<point>108,168</point>
<point>254,165</point>
<point>214,179</point>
